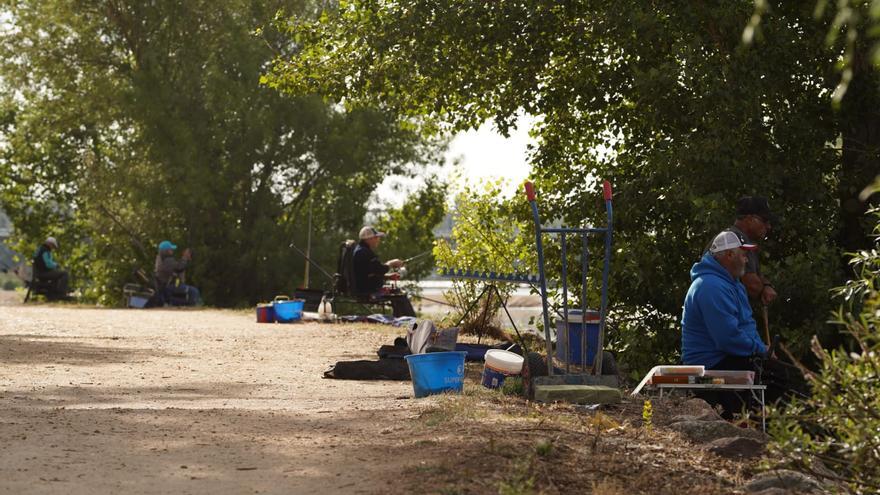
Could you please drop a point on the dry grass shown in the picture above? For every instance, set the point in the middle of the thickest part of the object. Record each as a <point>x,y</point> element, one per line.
<point>485,442</point>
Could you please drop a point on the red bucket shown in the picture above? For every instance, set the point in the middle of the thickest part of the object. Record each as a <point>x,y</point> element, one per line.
<point>265,313</point>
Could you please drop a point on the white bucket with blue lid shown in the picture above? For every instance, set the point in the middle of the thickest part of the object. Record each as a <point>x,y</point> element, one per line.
<point>499,365</point>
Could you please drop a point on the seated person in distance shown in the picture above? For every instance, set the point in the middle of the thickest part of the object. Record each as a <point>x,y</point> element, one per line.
<point>47,269</point>
<point>370,273</point>
<point>170,276</point>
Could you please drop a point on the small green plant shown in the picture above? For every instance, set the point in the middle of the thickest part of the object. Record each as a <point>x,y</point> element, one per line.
<point>544,447</point>
<point>521,481</point>
<point>513,385</point>
<point>647,414</point>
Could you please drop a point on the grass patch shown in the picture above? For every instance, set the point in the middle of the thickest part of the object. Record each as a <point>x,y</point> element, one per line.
<point>520,481</point>
<point>455,407</point>
<point>513,386</point>
<point>544,447</point>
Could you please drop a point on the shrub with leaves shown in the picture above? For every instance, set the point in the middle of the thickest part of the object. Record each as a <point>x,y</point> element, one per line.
<point>486,237</point>
<point>840,424</point>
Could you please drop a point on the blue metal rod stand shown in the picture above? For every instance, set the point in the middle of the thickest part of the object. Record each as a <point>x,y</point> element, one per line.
<point>531,195</point>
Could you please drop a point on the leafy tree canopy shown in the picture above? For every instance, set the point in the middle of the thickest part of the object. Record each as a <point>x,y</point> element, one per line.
<point>661,98</point>
<point>127,121</point>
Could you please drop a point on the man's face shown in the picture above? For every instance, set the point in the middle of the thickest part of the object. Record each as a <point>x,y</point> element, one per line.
<point>760,227</point>
<point>373,242</point>
<point>738,260</point>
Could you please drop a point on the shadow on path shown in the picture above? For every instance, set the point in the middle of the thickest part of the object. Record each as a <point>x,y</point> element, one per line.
<point>42,349</point>
<point>199,451</point>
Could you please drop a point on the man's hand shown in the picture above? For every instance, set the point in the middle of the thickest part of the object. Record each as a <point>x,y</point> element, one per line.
<point>395,263</point>
<point>768,294</point>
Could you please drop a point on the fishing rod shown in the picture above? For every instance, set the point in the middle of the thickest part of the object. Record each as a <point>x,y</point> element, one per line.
<point>135,241</point>
<point>420,255</point>
<point>310,260</point>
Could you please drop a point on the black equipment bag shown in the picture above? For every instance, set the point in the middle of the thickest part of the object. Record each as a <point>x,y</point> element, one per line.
<point>345,268</point>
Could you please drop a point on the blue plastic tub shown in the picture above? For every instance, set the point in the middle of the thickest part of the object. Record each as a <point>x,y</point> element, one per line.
<point>572,339</point>
<point>288,311</point>
<point>436,372</point>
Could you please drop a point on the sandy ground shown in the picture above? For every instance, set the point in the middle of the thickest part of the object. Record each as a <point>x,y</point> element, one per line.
<point>191,401</point>
<point>207,401</point>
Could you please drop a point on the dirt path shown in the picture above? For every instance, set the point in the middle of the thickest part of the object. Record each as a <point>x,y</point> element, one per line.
<point>207,401</point>
<point>178,401</point>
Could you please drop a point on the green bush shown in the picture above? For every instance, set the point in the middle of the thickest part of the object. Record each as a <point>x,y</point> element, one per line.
<point>9,282</point>
<point>840,424</point>
<point>486,237</point>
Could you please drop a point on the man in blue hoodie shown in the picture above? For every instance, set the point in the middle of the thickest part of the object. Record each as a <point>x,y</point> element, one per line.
<point>718,330</point>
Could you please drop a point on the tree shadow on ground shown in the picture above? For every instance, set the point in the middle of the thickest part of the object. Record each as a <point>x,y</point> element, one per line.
<point>41,349</point>
<point>86,395</point>
<point>200,451</point>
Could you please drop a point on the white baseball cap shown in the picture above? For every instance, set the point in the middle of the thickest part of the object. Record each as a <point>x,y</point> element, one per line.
<point>52,241</point>
<point>368,232</point>
<point>729,240</point>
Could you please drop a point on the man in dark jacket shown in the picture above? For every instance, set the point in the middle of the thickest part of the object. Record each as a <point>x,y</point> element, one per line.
<point>754,221</point>
<point>370,273</point>
<point>47,269</point>
<point>170,276</point>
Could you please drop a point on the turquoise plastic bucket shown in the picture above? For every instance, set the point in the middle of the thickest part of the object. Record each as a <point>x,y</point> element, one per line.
<point>436,372</point>
<point>288,311</point>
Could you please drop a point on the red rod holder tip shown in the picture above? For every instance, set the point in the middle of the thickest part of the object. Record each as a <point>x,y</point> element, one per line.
<point>606,186</point>
<point>530,191</point>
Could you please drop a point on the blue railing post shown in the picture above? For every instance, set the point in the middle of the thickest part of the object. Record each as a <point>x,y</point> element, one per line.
<point>603,309</point>
<point>530,195</point>
<point>567,347</point>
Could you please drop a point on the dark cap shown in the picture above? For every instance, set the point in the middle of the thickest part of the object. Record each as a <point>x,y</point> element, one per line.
<point>755,205</point>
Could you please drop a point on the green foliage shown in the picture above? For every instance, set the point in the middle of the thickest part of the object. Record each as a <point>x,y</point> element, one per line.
<point>854,27</point>
<point>839,424</point>
<point>544,447</point>
<point>486,237</point>
<point>126,123</point>
<point>661,98</point>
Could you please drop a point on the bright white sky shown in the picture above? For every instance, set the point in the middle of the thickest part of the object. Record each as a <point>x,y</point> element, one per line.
<point>486,154</point>
<point>481,155</point>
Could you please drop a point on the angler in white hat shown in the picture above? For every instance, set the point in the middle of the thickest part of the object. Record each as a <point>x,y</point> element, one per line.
<point>718,330</point>
<point>370,273</point>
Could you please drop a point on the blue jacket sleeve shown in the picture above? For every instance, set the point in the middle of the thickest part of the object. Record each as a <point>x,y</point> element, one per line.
<point>47,259</point>
<point>720,314</point>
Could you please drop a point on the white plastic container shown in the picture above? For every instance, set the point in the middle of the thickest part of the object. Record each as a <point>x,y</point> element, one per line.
<point>499,365</point>
<point>681,369</point>
<point>325,309</point>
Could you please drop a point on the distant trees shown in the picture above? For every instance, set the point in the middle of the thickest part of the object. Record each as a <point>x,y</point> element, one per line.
<point>663,99</point>
<point>125,122</point>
